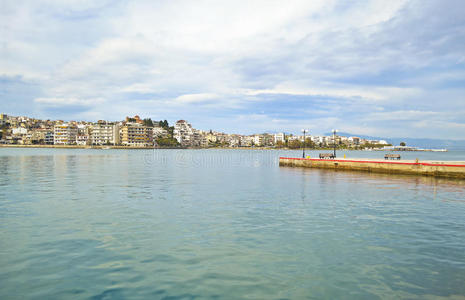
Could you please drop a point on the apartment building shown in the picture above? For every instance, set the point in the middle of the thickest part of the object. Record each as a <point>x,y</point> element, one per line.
<point>279,137</point>
<point>234,140</point>
<point>64,134</point>
<point>3,119</point>
<point>136,135</point>
<point>82,140</point>
<point>37,136</point>
<point>246,141</point>
<point>104,133</point>
<point>49,138</point>
<point>268,139</point>
<point>186,135</point>
<point>159,132</point>
<point>19,131</point>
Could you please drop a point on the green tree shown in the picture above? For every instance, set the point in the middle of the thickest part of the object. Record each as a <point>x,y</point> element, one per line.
<point>294,144</point>
<point>167,142</point>
<point>309,143</point>
<point>402,144</point>
<point>280,144</point>
<point>148,122</point>
<point>170,130</point>
<point>164,124</point>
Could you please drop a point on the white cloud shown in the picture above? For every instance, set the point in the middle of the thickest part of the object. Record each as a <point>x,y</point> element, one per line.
<point>139,88</point>
<point>344,93</point>
<point>362,93</point>
<point>195,98</point>
<point>370,61</point>
<point>215,26</point>
<point>68,101</point>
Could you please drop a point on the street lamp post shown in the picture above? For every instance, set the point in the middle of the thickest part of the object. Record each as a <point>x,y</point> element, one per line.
<point>303,152</point>
<point>334,141</point>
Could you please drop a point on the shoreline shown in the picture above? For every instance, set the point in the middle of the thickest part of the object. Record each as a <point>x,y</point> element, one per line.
<point>107,147</point>
<point>111,147</point>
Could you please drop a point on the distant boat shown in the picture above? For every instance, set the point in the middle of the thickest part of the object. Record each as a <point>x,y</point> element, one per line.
<point>106,148</point>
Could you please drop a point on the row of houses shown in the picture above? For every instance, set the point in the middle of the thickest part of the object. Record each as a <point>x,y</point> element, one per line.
<point>103,133</point>
<point>135,132</point>
<point>27,131</point>
<point>188,136</point>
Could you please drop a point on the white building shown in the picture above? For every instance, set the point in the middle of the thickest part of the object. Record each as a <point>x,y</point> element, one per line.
<point>19,131</point>
<point>258,140</point>
<point>64,134</point>
<point>208,139</point>
<point>294,138</point>
<point>82,140</point>
<point>279,137</point>
<point>185,134</point>
<point>234,140</point>
<point>104,133</point>
<point>159,132</point>
<point>246,141</point>
<point>354,140</point>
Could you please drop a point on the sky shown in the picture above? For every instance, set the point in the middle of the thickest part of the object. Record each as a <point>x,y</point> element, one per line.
<point>385,68</point>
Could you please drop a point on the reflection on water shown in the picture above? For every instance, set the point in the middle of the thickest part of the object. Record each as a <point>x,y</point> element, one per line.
<point>386,181</point>
<point>222,224</point>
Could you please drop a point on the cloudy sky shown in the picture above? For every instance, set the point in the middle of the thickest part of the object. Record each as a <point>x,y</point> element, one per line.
<point>387,68</point>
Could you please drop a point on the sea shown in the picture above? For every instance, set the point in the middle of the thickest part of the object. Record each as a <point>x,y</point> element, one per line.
<point>224,224</point>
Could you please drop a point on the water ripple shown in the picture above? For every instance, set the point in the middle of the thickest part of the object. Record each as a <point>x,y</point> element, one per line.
<point>93,224</point>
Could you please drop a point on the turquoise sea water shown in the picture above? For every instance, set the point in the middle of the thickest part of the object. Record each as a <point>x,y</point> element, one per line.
<point>223,224</point>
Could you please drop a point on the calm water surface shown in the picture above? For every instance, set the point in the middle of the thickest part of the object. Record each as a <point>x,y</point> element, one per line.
<point>223,224</point>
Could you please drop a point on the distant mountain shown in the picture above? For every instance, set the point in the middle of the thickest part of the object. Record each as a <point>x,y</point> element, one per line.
<point>414,142</point>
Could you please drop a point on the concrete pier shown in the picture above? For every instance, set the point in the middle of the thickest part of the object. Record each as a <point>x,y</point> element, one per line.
<point>451,169</point>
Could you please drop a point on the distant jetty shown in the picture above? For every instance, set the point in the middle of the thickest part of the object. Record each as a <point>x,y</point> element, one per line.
<point>407,148</point>
<point>451,169</point>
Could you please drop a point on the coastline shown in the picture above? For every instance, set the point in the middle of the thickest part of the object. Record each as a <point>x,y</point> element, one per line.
<point>112,147</point>
<point>77,147</point>
<point>106,147</point>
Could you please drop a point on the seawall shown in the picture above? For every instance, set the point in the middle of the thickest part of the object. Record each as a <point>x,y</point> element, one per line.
<point>449,169</point>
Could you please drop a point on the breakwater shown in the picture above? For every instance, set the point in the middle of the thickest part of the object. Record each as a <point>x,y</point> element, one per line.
<point>451,169</point>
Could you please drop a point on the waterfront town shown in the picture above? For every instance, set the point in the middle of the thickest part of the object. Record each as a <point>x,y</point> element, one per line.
<point>145,133</point>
